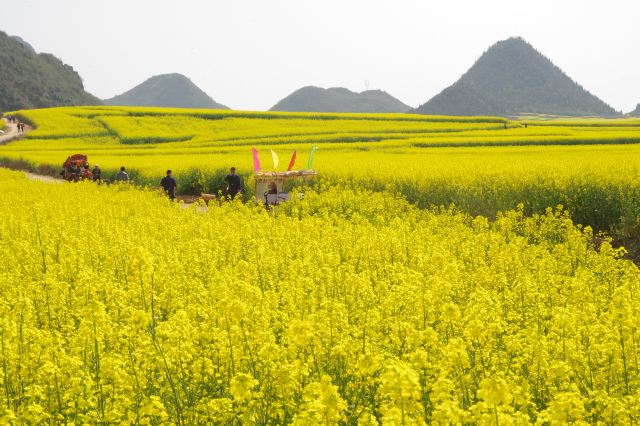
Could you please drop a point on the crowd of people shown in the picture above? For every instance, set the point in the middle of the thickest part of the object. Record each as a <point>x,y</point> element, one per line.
<point>76,169</point>
<point>168,183</point>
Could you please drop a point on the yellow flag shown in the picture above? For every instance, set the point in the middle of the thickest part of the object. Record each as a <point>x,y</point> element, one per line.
<point>274,157</point>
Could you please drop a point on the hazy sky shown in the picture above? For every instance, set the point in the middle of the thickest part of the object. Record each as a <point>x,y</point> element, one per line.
<point>248,54</point>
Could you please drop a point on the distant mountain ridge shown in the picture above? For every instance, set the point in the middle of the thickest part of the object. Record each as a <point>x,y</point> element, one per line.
<point>513,78</point>
<point>635,112</point>
<point>37,80</point>
<point>339,99</point>
<point>166,90</point>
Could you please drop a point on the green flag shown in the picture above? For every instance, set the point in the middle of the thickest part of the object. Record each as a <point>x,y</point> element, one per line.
<point>311,154</point>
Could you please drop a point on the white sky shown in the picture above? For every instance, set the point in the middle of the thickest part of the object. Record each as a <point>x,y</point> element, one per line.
<point>248,54</point>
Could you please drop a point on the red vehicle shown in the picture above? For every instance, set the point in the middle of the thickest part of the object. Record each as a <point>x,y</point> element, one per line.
<point>75,168</point>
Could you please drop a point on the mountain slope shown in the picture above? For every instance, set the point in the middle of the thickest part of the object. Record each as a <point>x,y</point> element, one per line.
<point>513,78</point>
<point>24,43</point>
<point>166,90</point>
<point>635,112</point>
<point>32,80</point>
<point>338,99</point>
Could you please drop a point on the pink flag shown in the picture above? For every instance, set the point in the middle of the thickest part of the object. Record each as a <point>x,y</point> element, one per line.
<point>292,162</point>
<point>256,160</point>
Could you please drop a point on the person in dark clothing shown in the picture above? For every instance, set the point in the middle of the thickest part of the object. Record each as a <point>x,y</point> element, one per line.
<point>169,185</point>
<point>97,173</point>
<point>122,175</point>
<point>233,183</point>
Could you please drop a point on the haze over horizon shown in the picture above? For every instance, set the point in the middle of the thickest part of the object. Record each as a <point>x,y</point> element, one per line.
<point>250,54</point>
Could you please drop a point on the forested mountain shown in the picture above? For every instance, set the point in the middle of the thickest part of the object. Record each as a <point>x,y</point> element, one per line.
<point>512,78</point>
<point>166,90</point>
<point>37,80</point>
<point>338,99</point>
<point>24,43</point>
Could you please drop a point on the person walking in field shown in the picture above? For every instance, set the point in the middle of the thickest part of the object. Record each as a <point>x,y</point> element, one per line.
<point>234,184</point>
<point>122,175</point>
<point>97,173</point>
<point>169,185</point>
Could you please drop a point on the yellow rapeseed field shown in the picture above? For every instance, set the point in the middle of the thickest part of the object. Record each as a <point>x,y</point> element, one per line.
<point>483,165</point>
<point>346,307</point>
<point>440,270</point>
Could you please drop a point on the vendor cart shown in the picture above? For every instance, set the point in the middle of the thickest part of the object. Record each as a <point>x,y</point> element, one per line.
<point>271,187</point>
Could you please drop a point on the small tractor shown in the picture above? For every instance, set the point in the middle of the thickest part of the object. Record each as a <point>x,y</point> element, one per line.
<point>75,168</point>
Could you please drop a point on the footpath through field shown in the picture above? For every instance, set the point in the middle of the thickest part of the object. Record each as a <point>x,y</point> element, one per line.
<point>43,178</point>
<point>11,132</point>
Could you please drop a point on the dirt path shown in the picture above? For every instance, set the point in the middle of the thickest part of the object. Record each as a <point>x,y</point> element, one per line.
<point>42,178</point>
<point>11,132</point>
